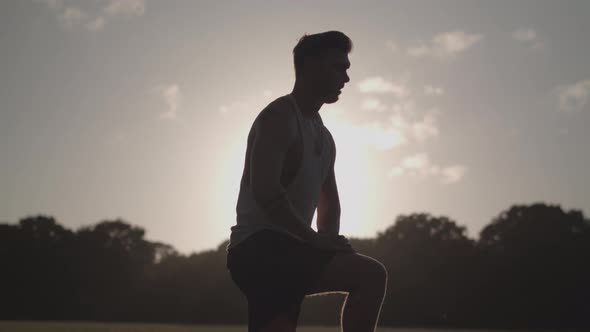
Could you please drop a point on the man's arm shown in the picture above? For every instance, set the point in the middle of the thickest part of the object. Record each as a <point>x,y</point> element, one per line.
<point>275,131</point>
<point>328,220</point>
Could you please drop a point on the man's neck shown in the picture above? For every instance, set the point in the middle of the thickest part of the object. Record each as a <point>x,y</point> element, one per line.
<point>306,101</point>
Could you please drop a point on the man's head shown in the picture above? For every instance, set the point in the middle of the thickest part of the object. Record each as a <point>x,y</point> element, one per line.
<point>321,61</point>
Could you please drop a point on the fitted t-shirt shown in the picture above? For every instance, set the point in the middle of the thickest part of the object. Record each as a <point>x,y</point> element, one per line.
<point>303,190</point>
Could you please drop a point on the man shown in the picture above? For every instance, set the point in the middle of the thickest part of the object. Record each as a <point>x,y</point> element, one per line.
<point>274,255</point>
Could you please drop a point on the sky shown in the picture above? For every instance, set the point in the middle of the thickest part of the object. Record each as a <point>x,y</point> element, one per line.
<point>140,110</point>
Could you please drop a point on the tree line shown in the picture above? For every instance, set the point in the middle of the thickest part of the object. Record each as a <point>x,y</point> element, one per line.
<point>528,268</point>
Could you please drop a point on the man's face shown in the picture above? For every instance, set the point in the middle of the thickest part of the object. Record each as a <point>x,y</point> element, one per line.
<point>329,75</point>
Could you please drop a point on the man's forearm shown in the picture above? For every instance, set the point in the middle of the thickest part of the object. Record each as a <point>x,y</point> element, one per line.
<point>282,212</point>
<point>329,221</point>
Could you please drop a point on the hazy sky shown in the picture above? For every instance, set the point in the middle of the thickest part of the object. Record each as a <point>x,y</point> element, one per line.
<point>140,109</point>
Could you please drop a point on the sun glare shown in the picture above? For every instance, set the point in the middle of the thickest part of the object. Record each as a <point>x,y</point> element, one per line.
<point>356,180</point>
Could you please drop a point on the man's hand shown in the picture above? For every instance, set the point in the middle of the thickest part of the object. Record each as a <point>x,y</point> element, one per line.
<point>332,242</point>
<point>343,240</point>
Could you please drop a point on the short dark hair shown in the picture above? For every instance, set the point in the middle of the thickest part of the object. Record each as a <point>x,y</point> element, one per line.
<point>313,45</point>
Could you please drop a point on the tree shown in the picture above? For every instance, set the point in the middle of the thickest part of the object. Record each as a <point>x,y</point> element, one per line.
<point>112,259</point>
<point>538,266</point>
<point>429,259</point>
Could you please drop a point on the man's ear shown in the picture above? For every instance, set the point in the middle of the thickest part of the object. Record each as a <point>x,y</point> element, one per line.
<point>311,63</point>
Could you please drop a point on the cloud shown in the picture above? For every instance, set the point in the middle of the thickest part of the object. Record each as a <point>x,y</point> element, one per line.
<point>430,90</point>
<point>524,34</point>
<point>72,16</point>
<point>249,106</point>
<point>407,106</point>
<point>171,95</point>
<point>399,129</point>
<point>379,136</point>
<point>399,120</point>
<point>574,97</point>
<point>404,122</point>
<point>418,51</point>
<point>427,127</point>
<point>392,46</point>
<point>96,24</point>
<point>453,174</point>
<point>528,36</point>
<point>92,17</point>
<point>420,166</point>
<point>415,165</point>
<point>401,125</point>
<point>378,84</point>
<point>445,45</point>
<point>125,8</point>
<point>374,134</point>
<point>418,162</point>
<point>373,104</point>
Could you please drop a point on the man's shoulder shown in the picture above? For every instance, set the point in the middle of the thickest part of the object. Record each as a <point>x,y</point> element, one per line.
<point>279,107</point>
<point>278,113</point>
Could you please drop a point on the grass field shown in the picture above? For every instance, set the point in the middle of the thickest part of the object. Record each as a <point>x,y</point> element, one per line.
<point>123,327</point>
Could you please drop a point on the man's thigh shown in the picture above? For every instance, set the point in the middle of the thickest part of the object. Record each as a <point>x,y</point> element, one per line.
<point>347,272</point>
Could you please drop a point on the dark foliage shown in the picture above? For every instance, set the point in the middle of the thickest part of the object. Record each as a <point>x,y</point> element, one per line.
<point>530,268</point>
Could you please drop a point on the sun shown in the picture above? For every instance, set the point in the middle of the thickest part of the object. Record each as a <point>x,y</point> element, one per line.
<point>355,177</point>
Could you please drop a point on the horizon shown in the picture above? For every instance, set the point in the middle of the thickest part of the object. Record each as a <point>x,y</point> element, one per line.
<point>475,237</point>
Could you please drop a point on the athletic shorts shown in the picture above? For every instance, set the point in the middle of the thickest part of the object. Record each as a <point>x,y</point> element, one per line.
<point>275,272</point>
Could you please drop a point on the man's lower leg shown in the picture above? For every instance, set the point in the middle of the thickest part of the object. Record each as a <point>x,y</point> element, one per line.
<point>361,309</point>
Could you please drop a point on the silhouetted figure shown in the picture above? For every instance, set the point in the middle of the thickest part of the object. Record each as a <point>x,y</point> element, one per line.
<point>274,255</point>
